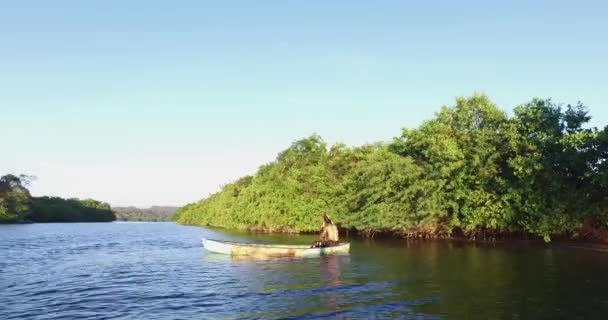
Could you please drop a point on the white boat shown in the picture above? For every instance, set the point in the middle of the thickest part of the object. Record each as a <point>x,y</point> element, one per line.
<point>271,250</point>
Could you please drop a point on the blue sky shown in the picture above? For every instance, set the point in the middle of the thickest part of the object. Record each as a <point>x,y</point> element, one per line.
<point>162,102</point>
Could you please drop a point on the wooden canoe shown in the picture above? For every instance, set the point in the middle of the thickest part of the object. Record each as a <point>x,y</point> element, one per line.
<point>271,250</point>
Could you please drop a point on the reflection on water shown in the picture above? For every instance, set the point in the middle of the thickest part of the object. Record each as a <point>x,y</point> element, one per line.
<point>330,271</point>
<point>161,271</point>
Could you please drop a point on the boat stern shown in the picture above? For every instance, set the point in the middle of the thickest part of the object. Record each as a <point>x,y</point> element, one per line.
<point>216,246</point>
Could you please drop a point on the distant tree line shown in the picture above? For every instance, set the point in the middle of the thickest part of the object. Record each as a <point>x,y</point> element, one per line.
<point>472,170</point>
<point>17,205</point>
<point>53,209</point>
<point>154,213</point>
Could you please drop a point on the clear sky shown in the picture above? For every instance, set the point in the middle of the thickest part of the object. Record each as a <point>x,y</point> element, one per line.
<point>150,102</point>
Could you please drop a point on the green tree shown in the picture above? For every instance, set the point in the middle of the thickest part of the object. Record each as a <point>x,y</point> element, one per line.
<point>556,162</point>
<point>15,198</point>
<point>461,154</point>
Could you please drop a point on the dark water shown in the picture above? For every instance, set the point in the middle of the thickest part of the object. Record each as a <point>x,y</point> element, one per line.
<point>160,271</point>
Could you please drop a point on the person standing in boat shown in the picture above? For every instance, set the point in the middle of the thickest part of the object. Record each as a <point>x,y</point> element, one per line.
<point>329,233</point>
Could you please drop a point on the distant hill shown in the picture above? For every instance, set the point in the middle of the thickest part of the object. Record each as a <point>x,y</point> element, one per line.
<point>154,213</point>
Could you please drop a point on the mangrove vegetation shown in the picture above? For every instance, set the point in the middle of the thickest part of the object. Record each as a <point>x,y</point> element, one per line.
<point>472,170</point>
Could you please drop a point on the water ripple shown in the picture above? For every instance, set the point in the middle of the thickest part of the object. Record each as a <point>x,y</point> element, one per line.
<point>159,271</point>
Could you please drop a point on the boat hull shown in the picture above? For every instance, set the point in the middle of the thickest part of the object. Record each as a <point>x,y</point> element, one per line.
<point>271,250</point>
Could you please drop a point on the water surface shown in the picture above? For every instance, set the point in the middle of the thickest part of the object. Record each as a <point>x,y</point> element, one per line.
<point>160,271</point>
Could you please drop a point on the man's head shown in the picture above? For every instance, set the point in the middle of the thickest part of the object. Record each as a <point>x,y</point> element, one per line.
<point>326,219</point>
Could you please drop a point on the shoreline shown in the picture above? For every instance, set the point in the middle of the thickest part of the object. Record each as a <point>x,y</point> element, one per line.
<point>489,238</point>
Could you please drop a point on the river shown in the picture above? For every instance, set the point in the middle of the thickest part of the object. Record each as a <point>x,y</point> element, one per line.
<point>160,271</point>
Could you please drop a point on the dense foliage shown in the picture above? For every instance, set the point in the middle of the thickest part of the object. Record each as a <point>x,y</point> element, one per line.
<point>17,205</point>
<point>154,213</point>
<point>53,209</point>
<point>471,170</point>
